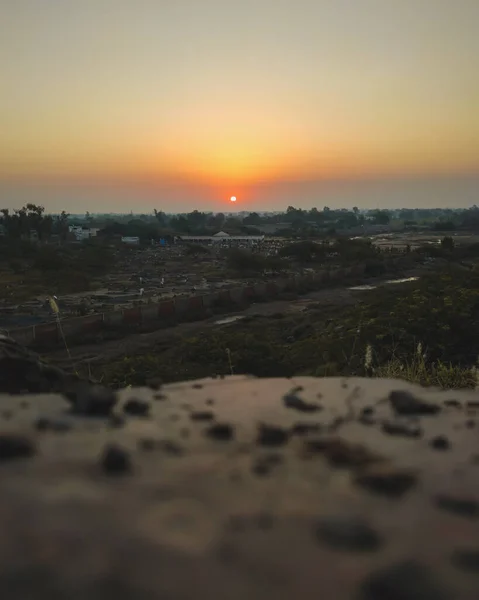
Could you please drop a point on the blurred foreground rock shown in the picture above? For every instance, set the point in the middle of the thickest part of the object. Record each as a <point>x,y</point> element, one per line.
<point>239,489</point>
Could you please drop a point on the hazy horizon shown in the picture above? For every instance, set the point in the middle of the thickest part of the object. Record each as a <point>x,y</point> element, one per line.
<point>119,105</point>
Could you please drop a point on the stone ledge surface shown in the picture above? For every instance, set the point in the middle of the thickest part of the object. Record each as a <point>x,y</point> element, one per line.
<point>242,488</point>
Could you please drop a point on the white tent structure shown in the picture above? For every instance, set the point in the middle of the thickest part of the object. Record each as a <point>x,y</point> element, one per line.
<point>221,236</point>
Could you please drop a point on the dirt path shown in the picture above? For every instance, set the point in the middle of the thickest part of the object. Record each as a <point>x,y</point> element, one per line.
<point>136,343</point>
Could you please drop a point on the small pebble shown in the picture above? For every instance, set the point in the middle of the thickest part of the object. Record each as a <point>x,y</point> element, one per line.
<point>347,533</point>
<point>404,581</point>
<point>136,407</point>
<point>203,415</point>
<point>115,460</point>
<point>171,448</point>
<point>401,429</point>
<point>269,435</point>
<point>405,403</point>
<point>462,506</point>
<point>452,403</point>
<point>14,446</point>
<point>440,442</point>
<point>220,432</point>
<point>155,383</point>
<point>386,480</point>
<point>92,400</point>
<point>305,428</point>
<point>293,401</point>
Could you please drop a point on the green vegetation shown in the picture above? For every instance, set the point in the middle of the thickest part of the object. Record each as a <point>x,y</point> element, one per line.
<point>45,269</point>
<point>379,336</point>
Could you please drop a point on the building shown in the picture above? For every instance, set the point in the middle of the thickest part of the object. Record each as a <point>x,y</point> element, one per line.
<point>221,237</point>
<point>83,233</point>
<point>130,240</point>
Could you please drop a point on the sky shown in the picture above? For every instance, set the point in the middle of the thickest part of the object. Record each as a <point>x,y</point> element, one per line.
<point>119,105</point>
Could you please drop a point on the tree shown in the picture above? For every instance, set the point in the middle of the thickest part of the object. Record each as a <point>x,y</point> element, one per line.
<point>380,217</point>
<point>447,244</point>
<point>252,219</point>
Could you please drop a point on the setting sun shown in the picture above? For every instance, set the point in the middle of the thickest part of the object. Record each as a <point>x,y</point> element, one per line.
<point>233,198</point>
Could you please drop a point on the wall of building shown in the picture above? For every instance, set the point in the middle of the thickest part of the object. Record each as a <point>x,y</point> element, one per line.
<point>182,308</point>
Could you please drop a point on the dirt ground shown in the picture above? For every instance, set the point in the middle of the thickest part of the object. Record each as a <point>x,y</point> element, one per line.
<point>242,488</point>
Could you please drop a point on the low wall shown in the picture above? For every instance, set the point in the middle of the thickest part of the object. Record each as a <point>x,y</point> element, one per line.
<point>181,308</point>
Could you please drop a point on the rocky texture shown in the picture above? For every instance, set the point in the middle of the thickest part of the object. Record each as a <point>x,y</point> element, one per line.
<point>241,488</point>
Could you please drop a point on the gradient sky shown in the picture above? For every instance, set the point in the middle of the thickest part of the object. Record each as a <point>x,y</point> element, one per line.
<point>134,104</point>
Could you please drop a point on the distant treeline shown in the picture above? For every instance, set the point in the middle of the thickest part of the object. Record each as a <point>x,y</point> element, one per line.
<point>294,222</point>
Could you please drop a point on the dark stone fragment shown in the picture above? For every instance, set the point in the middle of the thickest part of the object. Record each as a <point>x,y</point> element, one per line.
<point>92,400</point>
<point>405,403</point>
<point>265,464</point>
<point>24,404</point>
<point>464,507</point>
<point>202,415</point>
<point>197,386</point>
<point>466,560</point>
<point>293,401</point>
<point>305,428</point>
<point>348,533</point>
<point>367,411</point>
<point>220,431</point>
<point>472,404</point>
<point>160,396</point>
<point>404,581</point>
<point>440,442</point>
<point>270,435</point>
<point>42,423</point>
<point>340,453</point>
<point>401,429</point>
<point>136,407</point>
<point>155,383</point>
<point>15,446</point>
<point>470,424</point>
<point>171,448</point>
<point>116,421</point>
<point>115,460</point>
<point>210,402</point>
<point>386,480</point>
<point>452,403</point>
